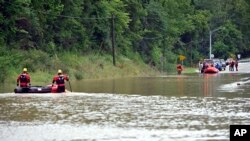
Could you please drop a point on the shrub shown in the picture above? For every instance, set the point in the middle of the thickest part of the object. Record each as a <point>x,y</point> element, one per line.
<point>78,75</point>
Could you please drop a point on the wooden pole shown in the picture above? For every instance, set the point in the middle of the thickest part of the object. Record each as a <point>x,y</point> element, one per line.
<point>113,39</point>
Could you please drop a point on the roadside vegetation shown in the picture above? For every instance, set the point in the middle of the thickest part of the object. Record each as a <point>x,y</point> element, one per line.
<point>43,67</point>
<point>189,70</point>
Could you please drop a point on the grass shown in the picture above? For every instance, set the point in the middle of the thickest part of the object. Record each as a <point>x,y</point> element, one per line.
<point>42,67</point>
<point>79,67</point>
<point>189,70</point>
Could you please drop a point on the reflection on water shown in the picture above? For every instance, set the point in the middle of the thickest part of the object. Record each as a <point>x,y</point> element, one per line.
<point>195,107</point>
<point>209,84</point>
<point>176,85</point>
<point>239,86</point>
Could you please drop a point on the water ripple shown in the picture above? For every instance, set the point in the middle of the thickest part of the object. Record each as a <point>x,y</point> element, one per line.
<point>119,117</point>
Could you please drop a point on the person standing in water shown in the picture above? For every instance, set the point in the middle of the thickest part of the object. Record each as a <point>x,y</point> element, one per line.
<point>236,64</point>
<point>179,68</point>
<point>59,79</point>
<point>23,80</point>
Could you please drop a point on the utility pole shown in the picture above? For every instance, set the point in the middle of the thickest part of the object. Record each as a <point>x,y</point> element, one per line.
<point>191,53</point>
<point>210,43</point>
<point>210,40</point>
<point>113,39</point>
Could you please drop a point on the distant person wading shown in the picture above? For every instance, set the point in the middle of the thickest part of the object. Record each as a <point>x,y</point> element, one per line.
<point>236,65</point>
<point>179,68</point>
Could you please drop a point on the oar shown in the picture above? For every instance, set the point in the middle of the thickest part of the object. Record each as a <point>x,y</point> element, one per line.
<point>70,86</point>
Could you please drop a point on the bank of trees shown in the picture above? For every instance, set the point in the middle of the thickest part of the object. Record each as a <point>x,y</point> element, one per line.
<point>154,30</point>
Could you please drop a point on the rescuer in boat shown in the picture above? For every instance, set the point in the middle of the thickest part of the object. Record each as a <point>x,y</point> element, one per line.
<point>205,66</point>
<point>60,81</point>
<point>23,80</point>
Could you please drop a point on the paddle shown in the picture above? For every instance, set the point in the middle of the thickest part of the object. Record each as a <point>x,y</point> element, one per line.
<point>70,86</point>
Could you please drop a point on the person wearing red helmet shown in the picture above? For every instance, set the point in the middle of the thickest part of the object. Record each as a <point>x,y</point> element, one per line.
<point>59,79</point>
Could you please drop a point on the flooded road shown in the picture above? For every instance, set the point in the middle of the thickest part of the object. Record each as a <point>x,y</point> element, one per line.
<point>168,108</point>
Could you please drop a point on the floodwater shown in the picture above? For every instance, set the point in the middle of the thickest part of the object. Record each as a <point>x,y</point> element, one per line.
<point>168,108</point>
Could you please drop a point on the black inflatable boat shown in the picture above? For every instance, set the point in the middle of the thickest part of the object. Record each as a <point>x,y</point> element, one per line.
<point>33,89</point>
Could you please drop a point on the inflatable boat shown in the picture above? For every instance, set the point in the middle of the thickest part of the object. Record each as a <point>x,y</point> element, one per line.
<point>211,70</point>
<point>37,89</point>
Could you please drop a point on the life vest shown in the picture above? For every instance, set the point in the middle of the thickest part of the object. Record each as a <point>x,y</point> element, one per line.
<point>60,80</point>
<point>23,78</point>
<point>179,67</point>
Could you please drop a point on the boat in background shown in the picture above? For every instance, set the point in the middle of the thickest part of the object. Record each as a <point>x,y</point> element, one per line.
<point>210,66</point>
<point>211,69</point>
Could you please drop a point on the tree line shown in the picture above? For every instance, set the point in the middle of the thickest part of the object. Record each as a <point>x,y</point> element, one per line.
<point>150,29</point>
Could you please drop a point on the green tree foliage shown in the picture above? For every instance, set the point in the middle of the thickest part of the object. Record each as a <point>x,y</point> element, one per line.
<point>150,29</point>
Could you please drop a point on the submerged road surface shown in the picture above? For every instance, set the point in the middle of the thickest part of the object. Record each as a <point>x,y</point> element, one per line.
<point>192,107</point>
<point>82,116</point>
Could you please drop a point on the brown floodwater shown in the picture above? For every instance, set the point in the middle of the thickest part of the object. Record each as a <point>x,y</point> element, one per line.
<point>185,107</point>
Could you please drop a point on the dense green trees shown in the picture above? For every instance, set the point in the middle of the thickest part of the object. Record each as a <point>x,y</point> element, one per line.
<point>153,30</point>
